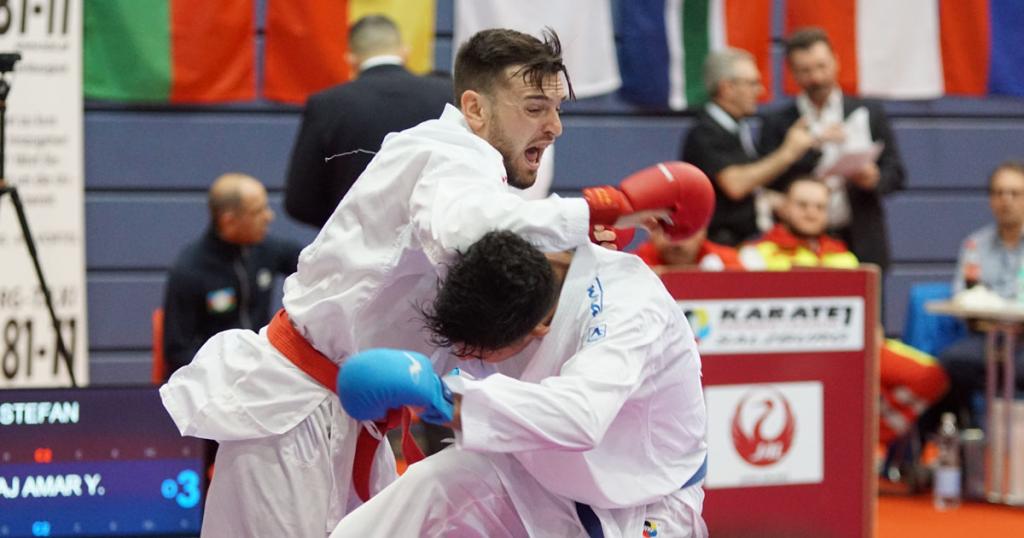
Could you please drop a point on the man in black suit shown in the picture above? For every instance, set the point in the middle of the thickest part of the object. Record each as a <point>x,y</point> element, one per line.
<point>855,208</point>
<point>721,145</point>
<point>343,126</point>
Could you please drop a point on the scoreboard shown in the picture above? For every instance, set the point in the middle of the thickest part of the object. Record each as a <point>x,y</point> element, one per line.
<point>96,462</point>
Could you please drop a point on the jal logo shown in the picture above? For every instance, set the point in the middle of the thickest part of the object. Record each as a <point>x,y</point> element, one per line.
<point>763,427</point>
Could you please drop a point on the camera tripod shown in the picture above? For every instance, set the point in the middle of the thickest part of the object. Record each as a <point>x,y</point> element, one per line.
<point>7,61</point>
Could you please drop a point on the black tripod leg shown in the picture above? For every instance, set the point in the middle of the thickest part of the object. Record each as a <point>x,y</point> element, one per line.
<point>61,348</point>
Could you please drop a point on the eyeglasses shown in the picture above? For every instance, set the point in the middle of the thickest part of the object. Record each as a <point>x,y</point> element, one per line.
<point>752,82</point>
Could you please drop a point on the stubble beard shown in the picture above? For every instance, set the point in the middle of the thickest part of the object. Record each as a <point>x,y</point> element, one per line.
<point>513,177</point>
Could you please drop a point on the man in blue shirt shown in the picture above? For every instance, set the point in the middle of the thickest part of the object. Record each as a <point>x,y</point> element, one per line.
<point>991,257</point>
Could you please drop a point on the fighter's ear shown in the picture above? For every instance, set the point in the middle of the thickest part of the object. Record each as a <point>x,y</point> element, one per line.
<point>475,107</point>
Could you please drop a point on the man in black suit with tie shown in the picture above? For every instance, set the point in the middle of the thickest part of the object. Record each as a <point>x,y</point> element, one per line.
<point>343,126</point>
<point>721,145</point>
<point>855,206</point>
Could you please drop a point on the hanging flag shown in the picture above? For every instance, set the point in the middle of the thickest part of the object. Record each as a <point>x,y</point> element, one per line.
<point>874,59</point>
<point>584,28</point>
<point>663,44</point>
<point>179,51</point>
<point>965,47</point>
<point>983,46</point>
<point>306,42</point>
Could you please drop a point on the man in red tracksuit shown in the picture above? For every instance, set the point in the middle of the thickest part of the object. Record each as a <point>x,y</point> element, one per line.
<point>911,380</point>
<point>664,254</point>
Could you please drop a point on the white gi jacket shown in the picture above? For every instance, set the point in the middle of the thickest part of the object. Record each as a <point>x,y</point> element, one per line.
<point>612,411</point>
<point>431,190</point>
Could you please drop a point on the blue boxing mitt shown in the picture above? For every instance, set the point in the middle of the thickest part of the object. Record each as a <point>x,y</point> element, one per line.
<point>376,380</point>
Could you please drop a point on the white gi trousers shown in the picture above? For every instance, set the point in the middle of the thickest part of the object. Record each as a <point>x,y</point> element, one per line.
<point>284,485</point>
<point>490,495</point>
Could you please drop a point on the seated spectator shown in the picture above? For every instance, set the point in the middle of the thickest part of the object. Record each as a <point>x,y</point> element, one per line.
<point>991,257</point>
<point>799,239</point>
<point>224,279</point>
<point>911,380</point>
<point>664,254</point>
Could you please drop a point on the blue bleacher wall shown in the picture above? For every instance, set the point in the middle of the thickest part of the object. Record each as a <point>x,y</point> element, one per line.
<point>147,169</point>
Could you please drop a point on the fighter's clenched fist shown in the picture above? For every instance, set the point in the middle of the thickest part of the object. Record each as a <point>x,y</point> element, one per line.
<point>376,380</point>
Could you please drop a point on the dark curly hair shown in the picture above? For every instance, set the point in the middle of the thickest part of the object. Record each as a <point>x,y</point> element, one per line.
<point>495,293</point>
<point>481,61</point>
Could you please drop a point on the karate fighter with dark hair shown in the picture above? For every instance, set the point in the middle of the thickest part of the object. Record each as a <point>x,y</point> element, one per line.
<point>583,416</point>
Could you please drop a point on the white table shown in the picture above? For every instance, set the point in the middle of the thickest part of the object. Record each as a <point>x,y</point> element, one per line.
<point>1006,322</point>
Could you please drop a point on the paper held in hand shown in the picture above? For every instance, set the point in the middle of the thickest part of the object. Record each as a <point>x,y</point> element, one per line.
<point>856,150</point>
<point>847,161</point>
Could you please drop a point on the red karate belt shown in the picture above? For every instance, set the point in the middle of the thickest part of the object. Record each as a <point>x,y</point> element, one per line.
<point>291,344</point>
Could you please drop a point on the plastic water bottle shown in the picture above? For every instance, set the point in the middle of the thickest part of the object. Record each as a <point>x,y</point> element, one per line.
<point>972,265</point>
<point>946,491</point>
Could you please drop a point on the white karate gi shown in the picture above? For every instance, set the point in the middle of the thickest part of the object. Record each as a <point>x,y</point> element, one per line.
<point>284,466</point>
<point>607,411</point>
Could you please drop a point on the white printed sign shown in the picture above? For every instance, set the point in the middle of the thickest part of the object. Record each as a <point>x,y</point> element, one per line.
<point>777,325</point>
<point>765,434</point>
<point>44,160</point>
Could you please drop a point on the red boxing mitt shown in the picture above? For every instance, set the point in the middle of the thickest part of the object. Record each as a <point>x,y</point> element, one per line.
<point>607,204</point>
<point>676,193</point>
<point>678,187</point>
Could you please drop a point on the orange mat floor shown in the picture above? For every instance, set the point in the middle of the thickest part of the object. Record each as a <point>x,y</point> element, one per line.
<point>914,516</point>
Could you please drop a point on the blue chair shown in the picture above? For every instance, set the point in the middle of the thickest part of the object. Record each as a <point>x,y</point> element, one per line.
<point>929,332</point>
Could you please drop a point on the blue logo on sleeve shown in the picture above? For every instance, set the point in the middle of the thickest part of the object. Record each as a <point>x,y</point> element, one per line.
<point>596,333</point>
<point>596,294</point>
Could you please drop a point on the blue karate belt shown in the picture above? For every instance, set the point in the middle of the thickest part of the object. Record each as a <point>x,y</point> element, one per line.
<point>592,524</point>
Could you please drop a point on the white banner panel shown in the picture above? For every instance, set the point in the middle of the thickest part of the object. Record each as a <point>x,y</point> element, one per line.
<point>765,434</point>
<point>44,161</point>
<point>777,325</point>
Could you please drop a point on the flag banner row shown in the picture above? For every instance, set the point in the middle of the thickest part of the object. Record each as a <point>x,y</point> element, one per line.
<point>200,52</point>
<point>651,51</point>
